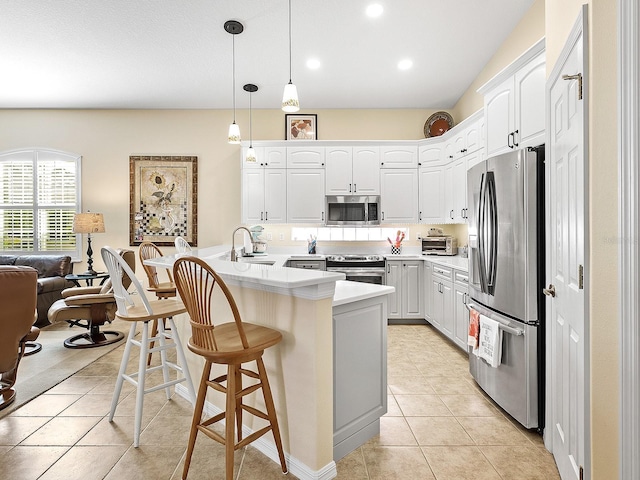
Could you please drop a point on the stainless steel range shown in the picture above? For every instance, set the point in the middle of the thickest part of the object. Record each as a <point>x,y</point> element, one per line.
<point>358,268</point>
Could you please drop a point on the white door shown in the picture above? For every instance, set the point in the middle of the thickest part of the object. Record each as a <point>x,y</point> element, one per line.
<point>305,195</point>
<point>253,195</point>
<point>399,195</point>
<point>338,171</point>
<point>431,195</point>
<point>275,195</point>
<point>366,170</point>
<point>565,250</point>
<point>412,303</point>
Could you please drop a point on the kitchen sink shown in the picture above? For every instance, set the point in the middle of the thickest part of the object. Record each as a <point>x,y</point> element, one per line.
<point>261,261</point>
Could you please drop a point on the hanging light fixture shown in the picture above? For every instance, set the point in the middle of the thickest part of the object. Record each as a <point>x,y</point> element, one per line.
<point>251,153</point>
<point>234,28</point>
<point>290,102</point>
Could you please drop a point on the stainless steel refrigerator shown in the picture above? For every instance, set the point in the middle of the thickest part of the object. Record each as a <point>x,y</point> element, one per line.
<point>506,275</point>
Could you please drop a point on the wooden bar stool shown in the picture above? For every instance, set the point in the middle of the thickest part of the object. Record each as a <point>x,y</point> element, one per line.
<point>147,251</point>
<point>231,344</point>
<point>145,312</point>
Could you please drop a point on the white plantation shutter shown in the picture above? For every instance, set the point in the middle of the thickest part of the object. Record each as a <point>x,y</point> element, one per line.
<point>39,194</point>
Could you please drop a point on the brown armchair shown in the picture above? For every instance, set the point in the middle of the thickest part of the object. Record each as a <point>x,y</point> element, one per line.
<point>90,307</point>
<point>18,290</point>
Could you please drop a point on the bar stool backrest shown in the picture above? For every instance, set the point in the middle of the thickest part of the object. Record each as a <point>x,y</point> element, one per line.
<point>148,251</point>
<point>182,246</point>
<point>118,268</point>
<point>196,282</point>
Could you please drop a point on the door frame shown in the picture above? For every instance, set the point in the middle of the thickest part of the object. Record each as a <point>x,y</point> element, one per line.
<point>629,232</point>
<point>580,28</point>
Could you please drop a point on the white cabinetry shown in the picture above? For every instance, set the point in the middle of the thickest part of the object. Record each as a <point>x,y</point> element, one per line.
<point>407,278</point>
<point>442,296</point>
<point>514,104</point>
<point>352,171</point>
<point>266,157</point>
<point>431,195</point>
<point>305,195</point>
<point>399,195</point>
<point>401,156</point>
<point>460,312</point>
<point>305,157</point>
<point>428,295</point>
<point>264,195</point>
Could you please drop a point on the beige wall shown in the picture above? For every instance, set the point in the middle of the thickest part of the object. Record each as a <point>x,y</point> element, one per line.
<point>528,31</point>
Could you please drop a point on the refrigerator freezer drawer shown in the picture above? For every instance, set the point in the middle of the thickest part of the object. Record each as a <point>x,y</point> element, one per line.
<point>514,383</point>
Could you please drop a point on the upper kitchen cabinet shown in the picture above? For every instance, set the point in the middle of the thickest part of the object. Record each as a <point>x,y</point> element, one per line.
<point>305,157</point>
<point>430,154</point>
<point>431,198</point>
<point>399,195</point>
<point>400,156</point>
<point>266,157</point>
<point>352,170</point>
<point>514,103</point>
<point>264,195</point>
<point>305,195</point>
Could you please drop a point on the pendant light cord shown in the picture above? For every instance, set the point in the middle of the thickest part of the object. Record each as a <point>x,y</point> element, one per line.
<point>250,121</point>
<point>289,41</point>
<point>233,67</point>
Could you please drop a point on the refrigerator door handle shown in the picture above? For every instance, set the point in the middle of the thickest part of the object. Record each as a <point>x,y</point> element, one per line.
<point>493,228</point>
<point>482,239</point>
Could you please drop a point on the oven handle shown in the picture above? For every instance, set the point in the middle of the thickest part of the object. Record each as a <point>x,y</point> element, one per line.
<point>360,272</point>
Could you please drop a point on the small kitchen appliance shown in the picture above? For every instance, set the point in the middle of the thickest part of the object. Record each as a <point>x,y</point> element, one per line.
<point>353,210</point>
<point>259,245</point>
<point>443,245</point>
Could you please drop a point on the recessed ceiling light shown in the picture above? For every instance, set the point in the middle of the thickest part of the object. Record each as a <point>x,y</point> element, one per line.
<point>313,63</point>
<point>374,10</point>
<point>405,64</point>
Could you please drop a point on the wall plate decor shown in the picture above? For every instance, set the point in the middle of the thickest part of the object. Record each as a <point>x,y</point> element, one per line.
<point>437,124</point>
<point>163,199</point>
<point>301,127</point>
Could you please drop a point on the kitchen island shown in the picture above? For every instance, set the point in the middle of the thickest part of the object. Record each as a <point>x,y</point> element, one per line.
<point>328,375</point>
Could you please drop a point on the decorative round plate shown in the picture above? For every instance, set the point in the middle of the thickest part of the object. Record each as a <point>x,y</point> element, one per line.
<point>437,124</point>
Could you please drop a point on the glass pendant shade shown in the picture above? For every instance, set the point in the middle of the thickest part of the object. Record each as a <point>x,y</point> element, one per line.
<point>290,102</point>
<point>234,133</point>
<point>251,155</point>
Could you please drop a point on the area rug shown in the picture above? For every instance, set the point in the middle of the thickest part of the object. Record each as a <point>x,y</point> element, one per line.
<point>42,371</point>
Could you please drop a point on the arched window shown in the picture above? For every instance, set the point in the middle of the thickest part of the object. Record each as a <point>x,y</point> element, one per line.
<point>39,194</point>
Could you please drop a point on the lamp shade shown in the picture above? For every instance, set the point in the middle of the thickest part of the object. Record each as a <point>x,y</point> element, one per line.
<point>234,133</point>
<point>251,155</point>
<point>290,102</point>
<point>88,223</point>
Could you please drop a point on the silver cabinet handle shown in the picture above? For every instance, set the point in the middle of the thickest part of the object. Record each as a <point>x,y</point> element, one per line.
<point>550,291</point>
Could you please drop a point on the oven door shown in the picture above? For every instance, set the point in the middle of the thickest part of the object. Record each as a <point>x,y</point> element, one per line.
<point>364,275</point>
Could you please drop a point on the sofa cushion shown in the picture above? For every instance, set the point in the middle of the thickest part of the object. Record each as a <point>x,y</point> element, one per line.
<point>47,265</point>
<point>8,259</point>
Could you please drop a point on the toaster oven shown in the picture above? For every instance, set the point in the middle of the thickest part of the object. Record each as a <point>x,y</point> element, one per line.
<point>445,245</point>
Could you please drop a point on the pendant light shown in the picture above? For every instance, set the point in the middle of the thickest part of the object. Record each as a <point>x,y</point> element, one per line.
<point>251,153</point>
<point>290,102</point>
<point>234,28</point>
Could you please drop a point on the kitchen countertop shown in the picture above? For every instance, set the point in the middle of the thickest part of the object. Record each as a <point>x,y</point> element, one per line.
<point>349,292</point>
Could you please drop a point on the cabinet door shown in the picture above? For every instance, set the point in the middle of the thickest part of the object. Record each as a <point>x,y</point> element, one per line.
<point>461,317</point>
<point>449,215</point>
<point>530,102</point>
<point>366,170</point>
<point>473,137</point>
<point>394,279</point>
<point>273,157</point>
<point>305,195</point>
<point>275,195</point>
<point>446,294</point>
<point>412,303</point>
<point>399,157</point>
<point>430,155</point>
<point>252,195</point>
<point>399,195</point>
<point>431,195</point>
<point>459,145</point>
<point>305,157</point>
<point>437,304</point>
<point>498,112</point>
<point>259,163</point>
<point>459,190</point>
<point>338,168</point>
<point>428,295</point>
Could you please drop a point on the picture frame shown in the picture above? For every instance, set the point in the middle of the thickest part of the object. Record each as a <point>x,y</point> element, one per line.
<point>301,127</point>
<point>163,199</point>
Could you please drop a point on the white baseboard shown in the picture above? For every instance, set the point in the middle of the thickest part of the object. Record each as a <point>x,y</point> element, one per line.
<point>296,467</point>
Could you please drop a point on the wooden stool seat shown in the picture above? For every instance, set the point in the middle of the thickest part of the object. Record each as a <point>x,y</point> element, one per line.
<point>232,344</point>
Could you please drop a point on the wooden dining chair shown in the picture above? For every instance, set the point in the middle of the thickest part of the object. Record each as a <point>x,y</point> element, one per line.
<point>145,311</point>
<point>231,344</point>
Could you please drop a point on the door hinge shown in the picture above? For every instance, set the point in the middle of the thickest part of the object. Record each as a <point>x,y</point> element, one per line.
<point>580,277</point>
<point>577,76</point>
<point>581,473</point>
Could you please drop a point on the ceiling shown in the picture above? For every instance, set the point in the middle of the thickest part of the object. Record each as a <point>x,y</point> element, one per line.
<point>176,53</point>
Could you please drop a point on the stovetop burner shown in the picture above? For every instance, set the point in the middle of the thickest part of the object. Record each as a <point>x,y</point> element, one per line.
<point>355,258</point>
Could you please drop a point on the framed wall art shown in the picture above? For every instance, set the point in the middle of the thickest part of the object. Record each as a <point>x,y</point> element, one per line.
<point>301,127</point>
<point>163,199</point>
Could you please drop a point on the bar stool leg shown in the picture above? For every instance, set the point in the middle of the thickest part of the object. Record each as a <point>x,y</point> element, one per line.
<point>122,371</point>
<point>183,361</point>
<point>163,358</point>
<point>142,374</point>
<point>154,331</point>
<point>271,412</point>
<point>230,410</point>
<point>239,402</point>
<point>197,416</point>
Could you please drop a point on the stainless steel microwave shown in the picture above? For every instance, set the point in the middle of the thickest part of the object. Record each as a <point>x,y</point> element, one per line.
<point>352,210</point>
<point>444,245</point>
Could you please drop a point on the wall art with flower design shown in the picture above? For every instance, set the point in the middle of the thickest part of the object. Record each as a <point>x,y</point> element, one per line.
<point>163,199</point>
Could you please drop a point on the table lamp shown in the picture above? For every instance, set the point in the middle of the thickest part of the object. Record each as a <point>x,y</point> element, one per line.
<point>88,223</point>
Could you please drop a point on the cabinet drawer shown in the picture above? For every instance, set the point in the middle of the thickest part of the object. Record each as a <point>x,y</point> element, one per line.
<point>308,264</point>
<point>461,277</point>
<point>442,272</point>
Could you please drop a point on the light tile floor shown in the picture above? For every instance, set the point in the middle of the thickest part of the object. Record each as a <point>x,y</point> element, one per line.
<point>439,425</point>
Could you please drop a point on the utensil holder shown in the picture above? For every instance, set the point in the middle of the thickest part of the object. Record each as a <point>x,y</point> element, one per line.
<point>396,250</point>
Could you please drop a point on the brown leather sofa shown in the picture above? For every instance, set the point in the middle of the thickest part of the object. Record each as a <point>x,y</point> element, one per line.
<point>51,282</point>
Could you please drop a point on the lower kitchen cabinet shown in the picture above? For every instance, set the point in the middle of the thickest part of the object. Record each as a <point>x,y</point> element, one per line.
<point>460,316</point>
<point>407,278</point>
<point>442,308</point>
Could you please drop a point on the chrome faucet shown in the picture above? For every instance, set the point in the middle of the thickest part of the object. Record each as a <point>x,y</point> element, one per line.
<point>233,257</point>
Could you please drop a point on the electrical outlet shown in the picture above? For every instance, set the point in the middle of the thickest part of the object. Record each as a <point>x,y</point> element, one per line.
<point>281,236</point>
<point>418,236</point>
<point>269,236</point>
